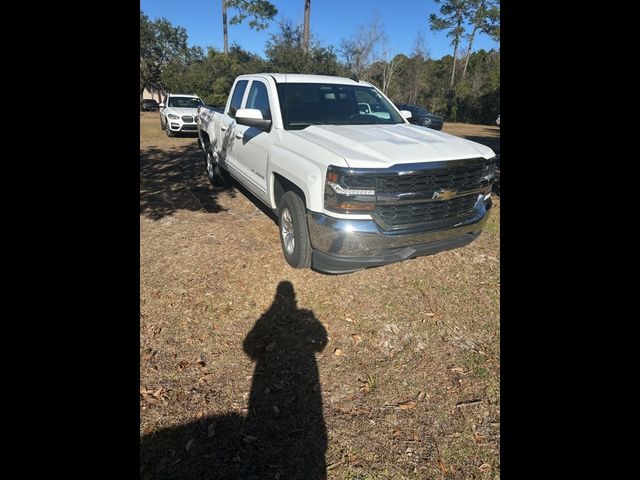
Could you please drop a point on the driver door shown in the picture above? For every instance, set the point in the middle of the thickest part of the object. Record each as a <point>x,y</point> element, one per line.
<point>252,145</point>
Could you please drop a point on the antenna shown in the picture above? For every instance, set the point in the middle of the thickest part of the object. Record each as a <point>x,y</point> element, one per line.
<point>354,77</point>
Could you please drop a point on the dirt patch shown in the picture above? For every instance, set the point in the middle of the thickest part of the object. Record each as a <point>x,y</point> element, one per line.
<point>252,369</point>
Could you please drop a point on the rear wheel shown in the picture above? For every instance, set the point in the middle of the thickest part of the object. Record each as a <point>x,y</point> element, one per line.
<point>294,232</point>
<point>216,175</point>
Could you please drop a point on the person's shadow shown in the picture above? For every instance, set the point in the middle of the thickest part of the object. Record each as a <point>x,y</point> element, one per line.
<point>283,435</point>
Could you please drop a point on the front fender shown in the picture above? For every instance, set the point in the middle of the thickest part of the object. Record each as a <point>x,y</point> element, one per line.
<point>307,175</point>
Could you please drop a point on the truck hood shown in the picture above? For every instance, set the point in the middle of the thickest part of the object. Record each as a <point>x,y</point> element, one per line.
<point>380,146</point>
<point>182,111</point>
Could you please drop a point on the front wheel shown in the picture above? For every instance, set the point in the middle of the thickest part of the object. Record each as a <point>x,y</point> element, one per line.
<point>170,133</point>
<point>294,232</point>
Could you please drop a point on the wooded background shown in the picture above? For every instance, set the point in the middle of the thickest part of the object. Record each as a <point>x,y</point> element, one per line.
<point>462,87</point>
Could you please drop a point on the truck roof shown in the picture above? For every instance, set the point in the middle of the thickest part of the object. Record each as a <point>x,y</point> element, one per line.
<point>183,95</point>
<point>306,78</point>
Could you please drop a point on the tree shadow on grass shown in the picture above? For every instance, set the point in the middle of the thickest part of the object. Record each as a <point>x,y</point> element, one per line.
<point>175,179</point>
<point>283,435</point>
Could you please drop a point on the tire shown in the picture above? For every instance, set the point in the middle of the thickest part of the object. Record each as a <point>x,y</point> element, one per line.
<point>162,125</point>
<point>294,231</point>
<point>215,173</point>
<point>170,133</point>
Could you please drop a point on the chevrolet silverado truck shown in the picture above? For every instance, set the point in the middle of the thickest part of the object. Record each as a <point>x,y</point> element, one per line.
<point>352,187</point>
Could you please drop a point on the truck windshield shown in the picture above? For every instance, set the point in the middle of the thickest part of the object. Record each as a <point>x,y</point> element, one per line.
<point>304,104</point>
<point>185,102</point>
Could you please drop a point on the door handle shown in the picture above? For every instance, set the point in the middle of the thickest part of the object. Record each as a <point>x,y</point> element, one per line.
<point>223,127</point>
<point>239,134</point>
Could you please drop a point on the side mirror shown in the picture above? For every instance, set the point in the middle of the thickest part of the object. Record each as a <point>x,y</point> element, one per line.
<point>253,118</point>
<point>161,105</point>
<point>406,114</point>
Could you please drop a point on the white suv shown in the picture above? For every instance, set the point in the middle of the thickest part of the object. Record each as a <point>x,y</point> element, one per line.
<point>179,113</point>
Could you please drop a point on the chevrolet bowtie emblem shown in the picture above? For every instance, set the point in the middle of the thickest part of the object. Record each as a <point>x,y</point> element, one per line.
<point>444,194</point>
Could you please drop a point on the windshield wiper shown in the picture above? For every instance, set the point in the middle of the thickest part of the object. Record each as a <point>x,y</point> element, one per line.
<point>302,125</point>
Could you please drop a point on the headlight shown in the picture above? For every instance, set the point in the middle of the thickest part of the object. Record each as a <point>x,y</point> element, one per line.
<point>173,117</point>
<point>347,191</point>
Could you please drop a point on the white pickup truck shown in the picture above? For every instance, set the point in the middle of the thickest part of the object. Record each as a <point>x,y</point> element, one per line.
<point>353,183</point>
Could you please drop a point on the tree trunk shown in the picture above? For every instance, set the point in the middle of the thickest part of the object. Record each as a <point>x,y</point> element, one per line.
<point>466,60</point>
<point>224,26</point>
<point>307,12</point>
<point>453,70</point>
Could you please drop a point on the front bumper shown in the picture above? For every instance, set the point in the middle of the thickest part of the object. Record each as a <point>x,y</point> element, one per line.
<point>180,126</point>
<point>343,246</point>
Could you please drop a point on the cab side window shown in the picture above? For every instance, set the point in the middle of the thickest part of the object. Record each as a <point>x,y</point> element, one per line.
<point>259,99</point>
<point>236,99</point>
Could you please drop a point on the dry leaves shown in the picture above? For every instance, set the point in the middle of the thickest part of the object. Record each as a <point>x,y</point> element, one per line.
<point>355,411</point>
<point>337,352</point>
<point>356,338</point>
<point>145,393</point>
<point>150,352</point>
<point>408,405</point>
<point>393,328</point>
<point>398,434</point>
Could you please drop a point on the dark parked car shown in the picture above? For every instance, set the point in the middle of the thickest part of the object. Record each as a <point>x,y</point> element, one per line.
<point>422,116</point>
<point>149,105</point>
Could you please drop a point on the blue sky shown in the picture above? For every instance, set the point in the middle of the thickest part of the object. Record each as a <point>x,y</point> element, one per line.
<point>331,20</point>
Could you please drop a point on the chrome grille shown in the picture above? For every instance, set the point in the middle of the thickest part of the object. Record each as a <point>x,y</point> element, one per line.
<point>466,177</point>
<point>408,199</point>
<point>419,213</point>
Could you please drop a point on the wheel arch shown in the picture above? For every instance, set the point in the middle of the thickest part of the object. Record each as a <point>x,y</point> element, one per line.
<point>280,185</point>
